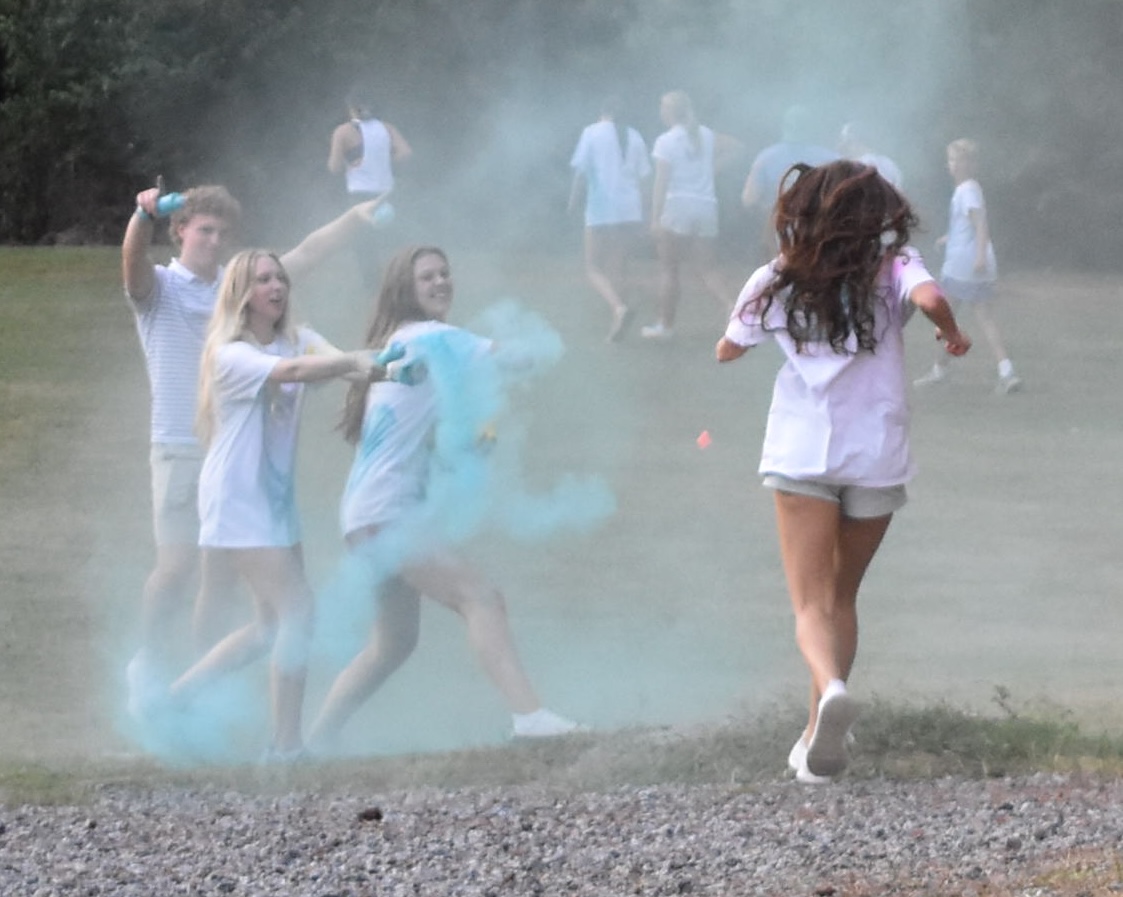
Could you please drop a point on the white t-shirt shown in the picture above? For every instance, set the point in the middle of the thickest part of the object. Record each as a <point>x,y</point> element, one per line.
<point>172,325</point>
<point>959,253</point>
<point>612,175</point>
<point>374,173</point>
<point>837,418</point>
<point>885,166</point>
<point>690,167</point>
<point>246,489</point>
<point>391,467</point>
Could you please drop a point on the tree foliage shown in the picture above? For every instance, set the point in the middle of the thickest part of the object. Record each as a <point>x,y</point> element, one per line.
<point>98,96</point>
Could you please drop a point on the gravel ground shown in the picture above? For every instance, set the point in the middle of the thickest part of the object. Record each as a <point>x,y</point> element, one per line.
<point>947,836</point>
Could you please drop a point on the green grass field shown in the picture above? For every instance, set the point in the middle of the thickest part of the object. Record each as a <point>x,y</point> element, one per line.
<point>990,620</point>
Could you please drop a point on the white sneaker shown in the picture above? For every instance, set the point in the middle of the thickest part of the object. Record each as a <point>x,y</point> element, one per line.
<point>797,763</point>
<point>657,331</point>
<point>827,754</point>
<point>936,375</point>
<point>1008,384</point>
<point>543,723</point>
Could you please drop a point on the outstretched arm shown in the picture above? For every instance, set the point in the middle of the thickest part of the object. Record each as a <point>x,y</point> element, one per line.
<point>930,300</point>
<point>329,239</point>
<point>324,366</point>
<point>137,269</point>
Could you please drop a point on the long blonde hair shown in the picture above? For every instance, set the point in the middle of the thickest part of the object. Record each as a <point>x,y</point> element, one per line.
<point>229,324</point>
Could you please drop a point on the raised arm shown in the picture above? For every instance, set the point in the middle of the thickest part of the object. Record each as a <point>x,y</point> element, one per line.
<point>329,239</point>
<point>137,270</point>
<point>930,300</point>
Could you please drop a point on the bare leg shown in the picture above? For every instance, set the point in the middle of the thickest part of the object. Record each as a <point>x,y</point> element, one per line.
<point>393,638</point>
<point>603,257</point>
<point>990,330</point>
<point>452,582</point>
<point>825,557</point>
<point>216,607</point>
<point>165,595</point>
<point>669,249</point>
<point>284,605</point>
<point>705,257</point>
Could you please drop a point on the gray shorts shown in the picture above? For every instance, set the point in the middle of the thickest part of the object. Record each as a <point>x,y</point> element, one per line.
<point>175,493</point>
<point>968,291</point>
<point>858,502</point>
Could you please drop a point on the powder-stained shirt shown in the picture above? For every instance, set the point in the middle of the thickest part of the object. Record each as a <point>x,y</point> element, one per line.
<point>246,489</point>
<point>390,471</point>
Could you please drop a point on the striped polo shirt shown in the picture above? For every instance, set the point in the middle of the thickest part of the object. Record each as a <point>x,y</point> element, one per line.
<point>172,324</point>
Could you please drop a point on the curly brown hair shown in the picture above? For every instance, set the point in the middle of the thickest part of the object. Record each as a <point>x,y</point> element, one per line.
<point>837,223</point>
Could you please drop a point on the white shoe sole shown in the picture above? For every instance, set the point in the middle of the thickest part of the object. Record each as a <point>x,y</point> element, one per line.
<point>826,754</point>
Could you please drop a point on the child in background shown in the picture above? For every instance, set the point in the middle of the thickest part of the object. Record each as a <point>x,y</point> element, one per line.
<point>393,427</point>
<point>836,448</point>
<point>969,272</point>
<point>254,365</point>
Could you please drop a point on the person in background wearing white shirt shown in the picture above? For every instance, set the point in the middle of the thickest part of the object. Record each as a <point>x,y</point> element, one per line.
<point>684,206</point>
<point>251,383</point>
<point>969,272</point>
<point>852,143</point>
<point>610,165</point>
<point>173,304</point>
<point>394,428</point>
<point>366,150</point>
<point>836,447</point>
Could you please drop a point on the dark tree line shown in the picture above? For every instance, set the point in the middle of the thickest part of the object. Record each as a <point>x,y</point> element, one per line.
<point>98,96</point>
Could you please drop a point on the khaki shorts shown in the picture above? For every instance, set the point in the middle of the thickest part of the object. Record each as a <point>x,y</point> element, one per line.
<point>858,502</point>
<point>175,493</point>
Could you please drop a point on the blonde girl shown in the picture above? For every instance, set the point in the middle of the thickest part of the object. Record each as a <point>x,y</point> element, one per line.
<point>254,366</point>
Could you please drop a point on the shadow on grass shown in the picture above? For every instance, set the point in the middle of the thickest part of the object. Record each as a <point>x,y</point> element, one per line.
<point>892,741</point>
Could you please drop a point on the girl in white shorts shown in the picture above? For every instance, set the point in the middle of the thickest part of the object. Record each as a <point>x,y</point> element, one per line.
<point>684,207</point>
<point>394,427</point>
<point>836,448</point>
<point>254,367</point>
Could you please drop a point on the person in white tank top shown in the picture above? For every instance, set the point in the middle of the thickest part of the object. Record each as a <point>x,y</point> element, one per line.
<point>365,150</point>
